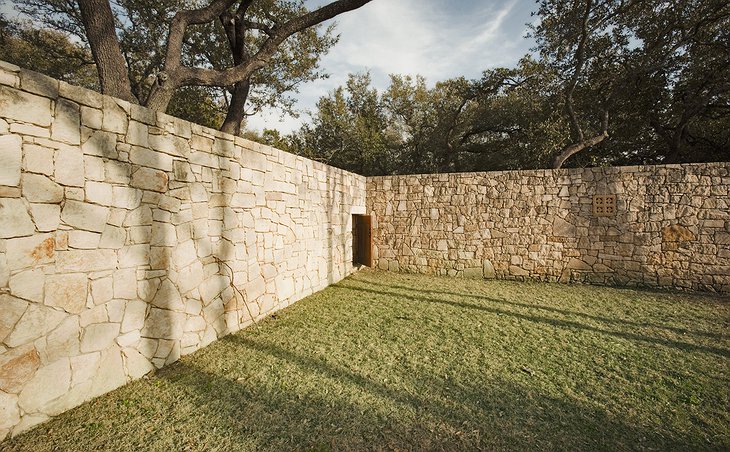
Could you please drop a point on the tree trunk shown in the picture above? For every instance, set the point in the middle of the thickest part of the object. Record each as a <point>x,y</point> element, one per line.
<point>236,111</point>
<point>98,22</point>
<point>576,148</point>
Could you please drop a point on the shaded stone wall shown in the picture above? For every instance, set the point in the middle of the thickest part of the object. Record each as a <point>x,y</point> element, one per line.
<point>671,227</point>
<point>123,232</point>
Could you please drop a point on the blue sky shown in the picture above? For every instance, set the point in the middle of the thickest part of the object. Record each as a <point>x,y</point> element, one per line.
<point>436,39</point>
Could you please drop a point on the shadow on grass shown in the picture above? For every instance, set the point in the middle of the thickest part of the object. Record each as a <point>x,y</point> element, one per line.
<point>557,310</point>
<point>376,416</point>
<point>560,323</point>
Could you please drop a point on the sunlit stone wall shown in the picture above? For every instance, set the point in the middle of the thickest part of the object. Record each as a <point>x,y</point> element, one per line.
<point>670,228</point>
<point>123,234</point>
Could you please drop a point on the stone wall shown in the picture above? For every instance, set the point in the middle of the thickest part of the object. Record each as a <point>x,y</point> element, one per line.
<point>671,227</point>
<point>123,233</point>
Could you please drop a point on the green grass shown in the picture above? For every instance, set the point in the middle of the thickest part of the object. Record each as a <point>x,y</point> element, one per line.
<point>393,361</point>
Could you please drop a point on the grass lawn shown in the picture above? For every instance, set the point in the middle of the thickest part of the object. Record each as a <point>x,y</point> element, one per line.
<point>394,361</point>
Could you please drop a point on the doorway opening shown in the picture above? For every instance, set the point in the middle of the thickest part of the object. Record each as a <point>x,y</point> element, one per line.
<point>362,240</point>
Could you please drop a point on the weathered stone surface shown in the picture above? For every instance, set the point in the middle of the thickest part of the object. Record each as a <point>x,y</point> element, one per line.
<point>84,367</point>
<point>101,144</point>
<point>31,251</point>
<point>149,179</point>
<point>145,157</point>
<point>134,316</point>
<point>48,383</point>
<point>163,234</point>
<point>16,371</point>
<point>125,284</point>
<point>126,197</point>
<point>14,219</point>
<point>136,364</point>
<point>88,217</point>
<point>99,193</point>
<point>38,188</point>
<point>26,285</point>
<point>83,239</point>
<point>115,118</point>
<point>37,159</point>
<point>66,122</point>
<point>64,340</point>
<point>67,292</point>
<point>69,169</point>
<point>98,336</point>
<point>9,412</point>
<point>85,260</point>
<point>25,107</point>
<point>111,373</point>
<point>167,297</point>
<point>11,310</point>
<point>164,324</point>
<point>11,157</point>
<point>46,216</point>
<point>677,233</point>
<point>36,321</point>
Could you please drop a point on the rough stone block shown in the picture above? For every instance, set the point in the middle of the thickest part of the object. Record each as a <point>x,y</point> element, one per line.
<point>11,310</point>
<point>48,383</point>
<point>111,373</point>
<point>88,217</point>
<point>164,324</point>
<point>38,159</point>
<point>98,193</point>
<point>99,336</point>
<point>46,216</point>
<point>66,122</point>
<point>39,188</point>
<point>17,369</point>
<point>27,285</point>
<point>125,284</point>
<point>134,256</point>
<point>86,260</point>
<point>11,156</point>
<point>14,219</point>
<point>101,144</point>
<point>69,169</point>
<point>115,118</point>
<point>31,251</point>
<point>149,179</point>
<point>36,321</point>
<point>83,240</point>
<point>136,364</point>
<point>67,292</point>
<point>64,340</point>
<point>26,107</point>
<point>152,159</point>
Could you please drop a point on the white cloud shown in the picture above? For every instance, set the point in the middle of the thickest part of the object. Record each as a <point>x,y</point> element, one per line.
<point>436,39</point>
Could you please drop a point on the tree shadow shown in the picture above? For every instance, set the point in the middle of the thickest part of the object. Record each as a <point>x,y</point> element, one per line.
<point>371,415</point>
<point>559,323</point>
<point>552,309</point>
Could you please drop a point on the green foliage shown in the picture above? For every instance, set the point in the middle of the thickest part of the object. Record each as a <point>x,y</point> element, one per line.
<point>143,25</point>
<point>47,51</point>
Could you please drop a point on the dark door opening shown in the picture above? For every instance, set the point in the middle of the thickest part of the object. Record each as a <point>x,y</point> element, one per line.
<point>362,238</point>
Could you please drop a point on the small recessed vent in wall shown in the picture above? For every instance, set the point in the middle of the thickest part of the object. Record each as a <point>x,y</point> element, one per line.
<point>604,205</point>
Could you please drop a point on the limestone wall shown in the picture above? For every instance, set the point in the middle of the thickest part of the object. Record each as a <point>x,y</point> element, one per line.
<point>123,232</point>
<point>671,227</point>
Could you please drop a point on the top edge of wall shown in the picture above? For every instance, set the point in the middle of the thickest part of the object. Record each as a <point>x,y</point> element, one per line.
<point>42,85</point>
<point>566,171</point>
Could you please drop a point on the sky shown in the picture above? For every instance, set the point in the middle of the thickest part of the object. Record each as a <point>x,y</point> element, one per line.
<point>434,38</point>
